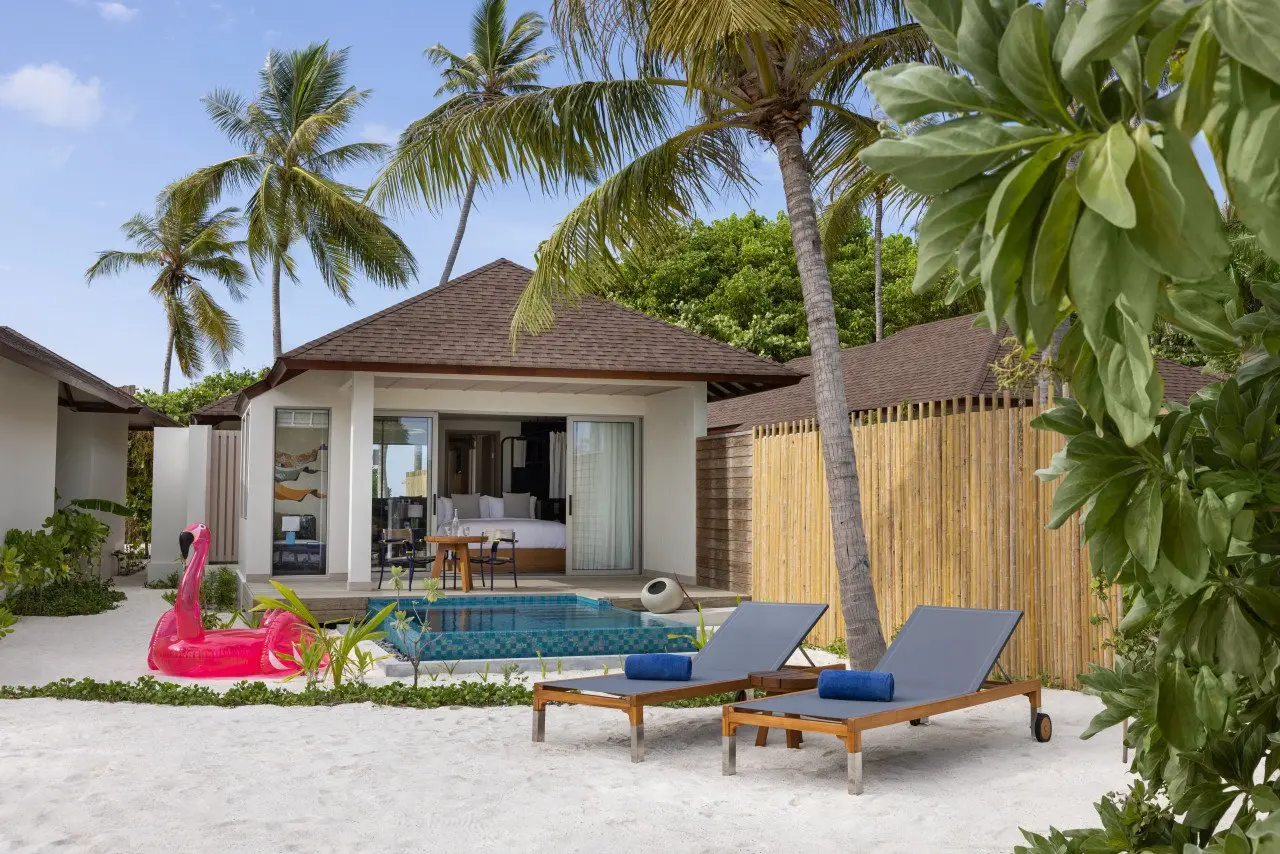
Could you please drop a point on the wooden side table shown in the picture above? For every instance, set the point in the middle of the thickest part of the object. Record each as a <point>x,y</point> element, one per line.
<point>786,681</point>
<point>462,545</point>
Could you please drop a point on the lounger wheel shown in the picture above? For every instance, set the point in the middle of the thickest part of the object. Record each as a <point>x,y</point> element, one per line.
<point>1042,729</point>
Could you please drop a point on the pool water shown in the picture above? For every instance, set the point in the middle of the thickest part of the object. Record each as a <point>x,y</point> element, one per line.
<point>463,627</point>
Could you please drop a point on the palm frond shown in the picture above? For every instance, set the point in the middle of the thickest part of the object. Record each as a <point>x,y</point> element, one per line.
<point>642,204</point>
<point>112,262</point>
<point>186,337</point>
<point>218,330</point>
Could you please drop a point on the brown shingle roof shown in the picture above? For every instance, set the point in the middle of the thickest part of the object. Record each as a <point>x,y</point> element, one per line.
<point>17,347</point>
<point>222,409</point>
<point>462,327</point>
<point>943,360</point>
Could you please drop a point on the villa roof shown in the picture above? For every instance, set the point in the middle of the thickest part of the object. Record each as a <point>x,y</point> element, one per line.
<point>463,327</point>
<point>222,409</point>
<point>78,389</point>
<point>943,360</point>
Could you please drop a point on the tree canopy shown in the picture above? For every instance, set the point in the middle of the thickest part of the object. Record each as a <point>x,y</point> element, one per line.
<point>735,280</point>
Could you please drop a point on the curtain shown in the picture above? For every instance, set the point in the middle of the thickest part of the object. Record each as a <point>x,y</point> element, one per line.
<point>603,495</point>
<point>556,451</point>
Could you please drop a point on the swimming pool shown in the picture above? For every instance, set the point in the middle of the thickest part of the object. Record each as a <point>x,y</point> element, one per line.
<point>462,627</point>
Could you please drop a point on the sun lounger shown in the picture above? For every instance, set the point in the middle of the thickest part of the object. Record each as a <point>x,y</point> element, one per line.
<point>940,661</point>
<point>757,637</point>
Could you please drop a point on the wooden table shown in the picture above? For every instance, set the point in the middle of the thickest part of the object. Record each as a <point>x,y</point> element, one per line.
<point>788,681</point>
<point>460,544</point>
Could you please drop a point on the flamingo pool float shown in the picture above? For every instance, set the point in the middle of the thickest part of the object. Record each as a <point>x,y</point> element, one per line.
<point>180,645</point>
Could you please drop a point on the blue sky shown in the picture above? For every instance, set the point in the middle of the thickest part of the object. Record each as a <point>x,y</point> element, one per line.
<point>100,108</point>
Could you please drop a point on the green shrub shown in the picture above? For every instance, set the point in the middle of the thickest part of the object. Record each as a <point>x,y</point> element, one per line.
<point>76,596</point>
<point>219,594</point>
<point>169,582</point>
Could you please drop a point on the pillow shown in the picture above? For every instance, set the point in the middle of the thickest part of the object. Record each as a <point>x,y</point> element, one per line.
<point>468,506</point>
<point>490,507</point>
<point>444,509</point>
<point>515,505</point>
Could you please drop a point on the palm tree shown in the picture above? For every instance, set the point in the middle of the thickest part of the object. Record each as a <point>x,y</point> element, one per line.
<point>502,62</point>
<point>181,242</point>
<point>686,86</point>
<point>290,133</point>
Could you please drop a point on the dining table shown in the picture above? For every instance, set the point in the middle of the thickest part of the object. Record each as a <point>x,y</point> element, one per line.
<point>461,545</point>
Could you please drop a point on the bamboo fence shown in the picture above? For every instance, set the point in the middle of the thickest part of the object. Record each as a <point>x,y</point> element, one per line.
<point>953,514</point>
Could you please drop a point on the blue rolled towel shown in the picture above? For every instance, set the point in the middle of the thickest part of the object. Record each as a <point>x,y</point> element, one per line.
<point>659,666</point>
<point>855,685</point>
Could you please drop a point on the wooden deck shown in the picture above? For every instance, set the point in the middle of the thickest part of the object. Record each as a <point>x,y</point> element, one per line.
<point>329,599</point>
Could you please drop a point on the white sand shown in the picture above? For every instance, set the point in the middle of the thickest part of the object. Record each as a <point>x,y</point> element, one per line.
<point>104,778</point>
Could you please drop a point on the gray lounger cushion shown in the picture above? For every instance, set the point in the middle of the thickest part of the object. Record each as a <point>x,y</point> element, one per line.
<point>758,636</point>
<point>939,653</point>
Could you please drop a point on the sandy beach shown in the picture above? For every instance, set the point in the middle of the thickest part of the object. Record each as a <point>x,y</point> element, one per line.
<point>105,778</point>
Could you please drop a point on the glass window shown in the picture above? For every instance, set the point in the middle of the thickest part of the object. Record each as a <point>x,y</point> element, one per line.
<point>244,466</point>
<point>402,471</point>
<point>300,505</point>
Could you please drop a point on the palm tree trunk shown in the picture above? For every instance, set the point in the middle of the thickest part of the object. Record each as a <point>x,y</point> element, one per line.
<point>168,362</point>
<point>879,252</point>
<point>275,302</point>
<point>462,228</point>
<point>853,571</point>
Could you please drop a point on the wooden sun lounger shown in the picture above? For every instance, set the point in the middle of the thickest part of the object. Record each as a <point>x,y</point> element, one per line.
<point>940,660</point>
<point>757,637</point>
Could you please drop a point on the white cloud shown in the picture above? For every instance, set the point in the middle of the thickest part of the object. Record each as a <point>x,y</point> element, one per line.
<point>117,12</point>
<point>374,132</point>
<point>52,94</point>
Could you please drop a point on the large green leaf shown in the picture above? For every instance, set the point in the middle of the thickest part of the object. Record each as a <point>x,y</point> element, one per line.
<point>1026,65</point>
<point>1253,170</point>
<point>940,19</point>
<point>1018,184</point>
<point>1239,648</point>
<point>1004,255</point>
<point>1104,28</point>
<point>1250,32</point>
<point>911,90</point>
<point>981,26</point>
<point>1162,45</point>
<point>1076,488</point>
<point>1126,367</point>
<point>1213,520</point>
<point>1142,521</point>
<point>1200,70</point>
<point>1175,709</point>
<point>1180,539</point>
<point>1158,235</point>
<point>1211,700</point>
<point>949,219</point>
<point>1128,65</point>
<point>1101,176</point>
<point>1197,315</point>
<point>940,157</point>
<point>1100,259</point>
<point>1053,241</point>
<point>1080,81</point>
<point>1202,226</point>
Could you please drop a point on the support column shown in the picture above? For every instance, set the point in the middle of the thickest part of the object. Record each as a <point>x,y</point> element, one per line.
<point>360,507</point>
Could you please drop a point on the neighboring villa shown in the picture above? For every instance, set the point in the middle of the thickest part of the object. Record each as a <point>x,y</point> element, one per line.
<point>581,439</point>
<point>63,429</point>
<point>941,361</point>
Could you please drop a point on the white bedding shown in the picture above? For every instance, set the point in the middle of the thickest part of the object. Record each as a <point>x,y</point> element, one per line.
<point>530,533</point>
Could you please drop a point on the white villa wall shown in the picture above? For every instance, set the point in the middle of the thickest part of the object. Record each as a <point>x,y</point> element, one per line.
<point>28,446</point>
<point>92,462</point>
<point>180,472</point>
<point>671,422</point>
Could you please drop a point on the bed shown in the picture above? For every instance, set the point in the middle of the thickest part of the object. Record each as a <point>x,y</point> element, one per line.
<point>540,543</point>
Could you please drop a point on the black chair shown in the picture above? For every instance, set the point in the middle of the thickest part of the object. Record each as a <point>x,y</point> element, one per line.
<point>396,549</point>
<point>489,556</point>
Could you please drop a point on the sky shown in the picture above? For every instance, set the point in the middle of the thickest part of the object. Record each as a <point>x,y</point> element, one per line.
<point>100,109</point>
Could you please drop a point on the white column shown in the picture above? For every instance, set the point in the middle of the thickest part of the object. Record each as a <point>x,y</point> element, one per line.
<point>360,508</point>
<point>168,500</point>
<point>199,438</point>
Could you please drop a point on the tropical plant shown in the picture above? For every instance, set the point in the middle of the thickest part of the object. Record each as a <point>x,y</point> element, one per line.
<point>183,243</point>
<point>758,72</point>
<point>735,279</point>
<point>502,62</point>
<point>412,629</point>
<point>290,133</point>
<point>1067,186</point>
<point>341,661</point>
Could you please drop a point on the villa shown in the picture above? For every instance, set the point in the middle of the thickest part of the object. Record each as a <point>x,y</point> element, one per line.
<point>582,440</point>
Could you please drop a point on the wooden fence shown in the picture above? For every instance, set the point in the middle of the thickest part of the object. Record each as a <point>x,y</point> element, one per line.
<point>223,495</point>
<point>954,515</point>
<point>724,511</point>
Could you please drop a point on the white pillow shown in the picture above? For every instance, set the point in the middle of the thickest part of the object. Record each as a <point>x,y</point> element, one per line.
<point>517,505</point>
<point>490,507</point>
<point>444,509</point>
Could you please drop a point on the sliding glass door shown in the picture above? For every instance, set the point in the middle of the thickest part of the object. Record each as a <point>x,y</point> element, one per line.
<point>404,473</point>
<point>300,503</point>
<point>604,488</point>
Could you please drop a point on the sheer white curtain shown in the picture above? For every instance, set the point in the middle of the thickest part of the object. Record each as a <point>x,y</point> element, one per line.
<point>557,446</point>
<point>603,495</point>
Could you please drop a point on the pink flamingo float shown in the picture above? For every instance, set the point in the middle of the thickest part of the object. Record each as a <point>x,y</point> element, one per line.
<point>181,646</point>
